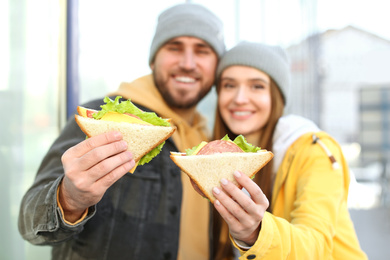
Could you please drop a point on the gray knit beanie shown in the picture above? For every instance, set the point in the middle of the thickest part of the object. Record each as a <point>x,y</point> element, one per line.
<point>269,59</point>
<point>188,20</point>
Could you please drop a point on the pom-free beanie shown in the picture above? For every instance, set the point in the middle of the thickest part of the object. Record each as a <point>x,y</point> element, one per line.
<point>267,58</point>
<point>188,20</point>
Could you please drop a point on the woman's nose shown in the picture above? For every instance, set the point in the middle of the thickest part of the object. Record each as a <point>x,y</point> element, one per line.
<point>241,96</point>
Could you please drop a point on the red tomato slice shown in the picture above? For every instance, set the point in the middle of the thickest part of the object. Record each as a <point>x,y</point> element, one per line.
<point>90,113</point>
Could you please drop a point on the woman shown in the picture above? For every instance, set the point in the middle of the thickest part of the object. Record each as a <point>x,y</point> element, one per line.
<point>297,208</point>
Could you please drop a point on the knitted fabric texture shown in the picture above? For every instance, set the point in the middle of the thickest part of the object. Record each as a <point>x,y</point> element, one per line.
<point>270,59</point>
<point>188,20</point>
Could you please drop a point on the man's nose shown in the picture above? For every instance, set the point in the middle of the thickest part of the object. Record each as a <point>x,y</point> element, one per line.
<point>188,60</point>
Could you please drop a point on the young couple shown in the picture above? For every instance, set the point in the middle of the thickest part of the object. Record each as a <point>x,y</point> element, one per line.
<point>86,206</point>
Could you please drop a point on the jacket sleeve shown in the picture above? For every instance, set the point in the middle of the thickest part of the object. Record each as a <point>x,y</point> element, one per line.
<point>40,220</point>
<point>306,225</point>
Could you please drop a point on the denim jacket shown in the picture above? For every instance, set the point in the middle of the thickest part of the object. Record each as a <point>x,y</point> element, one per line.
<point>137,218</point>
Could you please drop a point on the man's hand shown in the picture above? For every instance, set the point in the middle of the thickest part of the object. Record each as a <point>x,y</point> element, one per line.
<point>91,167</point>
<point>242,213</point>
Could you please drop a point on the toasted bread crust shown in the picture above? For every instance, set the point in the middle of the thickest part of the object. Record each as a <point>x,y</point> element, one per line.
<point>142,132</point>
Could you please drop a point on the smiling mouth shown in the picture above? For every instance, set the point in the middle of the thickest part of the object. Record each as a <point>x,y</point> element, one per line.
<point>184,79</point>
<point>241,113</point>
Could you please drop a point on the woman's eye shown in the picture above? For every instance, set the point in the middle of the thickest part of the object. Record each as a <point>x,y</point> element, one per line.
<point>227,85</point>
<point>258,86</point>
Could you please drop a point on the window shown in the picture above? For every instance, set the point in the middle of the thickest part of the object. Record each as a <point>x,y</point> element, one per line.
<point>30,70</point>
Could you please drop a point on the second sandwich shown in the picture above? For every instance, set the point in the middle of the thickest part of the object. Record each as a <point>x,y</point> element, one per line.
<point>207,163</point>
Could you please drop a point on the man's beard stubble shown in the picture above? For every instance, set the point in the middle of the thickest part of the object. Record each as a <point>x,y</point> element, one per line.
<point>171,101</point>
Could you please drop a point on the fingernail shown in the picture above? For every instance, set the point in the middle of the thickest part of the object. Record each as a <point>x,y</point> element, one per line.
<point>132,164</point>
<point>237,173</point>
<point>224,181</point>
<point>129,155</point>
<point>124,144</point>
<point>117,135</point>
<point>216,190</point>
<point>217,202</point>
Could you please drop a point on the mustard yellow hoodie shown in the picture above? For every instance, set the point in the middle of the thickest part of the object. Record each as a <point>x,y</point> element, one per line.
<point>194,225</point>
<point>310,218</point>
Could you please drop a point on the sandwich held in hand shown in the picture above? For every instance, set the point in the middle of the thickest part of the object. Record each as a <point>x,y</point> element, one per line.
<point>207,163</point>
<point>144,132</point>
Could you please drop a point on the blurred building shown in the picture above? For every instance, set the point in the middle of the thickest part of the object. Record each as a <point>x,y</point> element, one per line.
<point>341,80</point>
<point>374,114</point>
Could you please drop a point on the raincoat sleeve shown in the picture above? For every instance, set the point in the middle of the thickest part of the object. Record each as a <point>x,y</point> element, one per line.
<point>310,201</point>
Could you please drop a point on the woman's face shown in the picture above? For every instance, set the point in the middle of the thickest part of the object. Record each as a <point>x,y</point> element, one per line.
<point>244,99</point>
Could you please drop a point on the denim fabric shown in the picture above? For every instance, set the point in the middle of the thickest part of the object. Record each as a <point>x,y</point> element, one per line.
<point>137,218</point>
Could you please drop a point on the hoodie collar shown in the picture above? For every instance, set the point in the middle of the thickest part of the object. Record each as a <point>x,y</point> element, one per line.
<point>143,92</point>
<point>288,129</point>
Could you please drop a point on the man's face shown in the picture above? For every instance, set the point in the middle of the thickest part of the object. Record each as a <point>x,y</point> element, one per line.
<point>184,71</point>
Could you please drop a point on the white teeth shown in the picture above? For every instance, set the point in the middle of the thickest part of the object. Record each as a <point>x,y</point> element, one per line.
<point>185,79</point>
<point>241,113</point>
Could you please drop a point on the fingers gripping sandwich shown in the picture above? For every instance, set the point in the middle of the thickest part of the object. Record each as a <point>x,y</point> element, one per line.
<point>144,132</point>
<point>207,163</point>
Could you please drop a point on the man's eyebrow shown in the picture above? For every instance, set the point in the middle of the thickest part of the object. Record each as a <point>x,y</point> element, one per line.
<point>200,45</point>
<point>203,44</point>
<point>175,42</point>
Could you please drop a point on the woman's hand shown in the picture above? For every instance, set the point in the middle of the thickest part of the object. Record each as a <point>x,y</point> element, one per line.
<point>242,213</point>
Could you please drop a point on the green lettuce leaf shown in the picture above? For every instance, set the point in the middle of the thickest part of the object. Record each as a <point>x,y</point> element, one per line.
<point>153,153</point>
<point>128,107</point>
<point>244,145</point>
<point>190,151</point>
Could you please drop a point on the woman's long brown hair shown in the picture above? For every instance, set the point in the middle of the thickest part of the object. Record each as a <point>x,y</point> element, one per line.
<point>264,178</point>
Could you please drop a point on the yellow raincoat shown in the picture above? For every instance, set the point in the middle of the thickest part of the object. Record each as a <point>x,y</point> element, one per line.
<point>310,218</point>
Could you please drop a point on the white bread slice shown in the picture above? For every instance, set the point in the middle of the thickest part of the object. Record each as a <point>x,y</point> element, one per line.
<point>141,139</point>
<point>207,170</point>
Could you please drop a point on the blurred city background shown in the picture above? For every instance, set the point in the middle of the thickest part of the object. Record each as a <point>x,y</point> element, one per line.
<point>56,54</point>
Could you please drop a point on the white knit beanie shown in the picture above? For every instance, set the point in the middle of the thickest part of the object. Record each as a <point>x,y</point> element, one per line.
<point>188,20</point>
<point>267,58</point>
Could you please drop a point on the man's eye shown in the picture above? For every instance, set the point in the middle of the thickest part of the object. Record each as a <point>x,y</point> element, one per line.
<point>173,48</point>
<point>203,51</point>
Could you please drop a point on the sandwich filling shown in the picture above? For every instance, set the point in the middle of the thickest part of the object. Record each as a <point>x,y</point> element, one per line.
<point>239,144</point>
<point>126,111</point>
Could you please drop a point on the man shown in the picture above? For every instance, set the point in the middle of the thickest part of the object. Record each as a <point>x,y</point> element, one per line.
<point>86,205</point>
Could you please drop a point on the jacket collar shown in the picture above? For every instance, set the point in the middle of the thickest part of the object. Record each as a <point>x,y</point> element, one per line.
<point>288,129</point>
